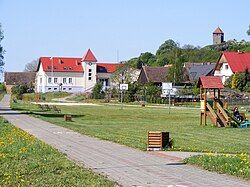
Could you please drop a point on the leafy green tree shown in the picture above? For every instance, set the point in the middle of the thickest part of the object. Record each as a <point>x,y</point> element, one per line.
<point>1,48</point>
<point>240,80</point>
<point>97,91</point>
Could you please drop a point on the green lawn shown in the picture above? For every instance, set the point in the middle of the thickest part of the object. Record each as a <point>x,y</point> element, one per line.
<point>26,161</point>
<point>237,165</point>
<point>130,126</point>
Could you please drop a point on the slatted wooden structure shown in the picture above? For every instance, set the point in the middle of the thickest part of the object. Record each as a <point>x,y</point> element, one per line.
<point>67,117</point>
<point>157,140</point>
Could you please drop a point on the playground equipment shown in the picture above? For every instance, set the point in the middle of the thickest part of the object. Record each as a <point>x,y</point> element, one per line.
<point>212,106</point>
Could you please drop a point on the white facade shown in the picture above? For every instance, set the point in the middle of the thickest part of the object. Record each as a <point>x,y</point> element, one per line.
<point>223,69</point>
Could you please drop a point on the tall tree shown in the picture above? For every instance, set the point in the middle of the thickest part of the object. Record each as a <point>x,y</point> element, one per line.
<point>31,66</point>
<point>1,48</point>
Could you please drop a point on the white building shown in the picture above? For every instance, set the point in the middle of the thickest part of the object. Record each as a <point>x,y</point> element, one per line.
<point>73,74</point>
<point>230,63</point>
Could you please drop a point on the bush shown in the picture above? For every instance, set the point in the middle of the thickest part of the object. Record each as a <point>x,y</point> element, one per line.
<point>97,91</point>
<point>19,90</point>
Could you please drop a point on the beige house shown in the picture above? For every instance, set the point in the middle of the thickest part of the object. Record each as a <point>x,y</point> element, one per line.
<point>75,75</point>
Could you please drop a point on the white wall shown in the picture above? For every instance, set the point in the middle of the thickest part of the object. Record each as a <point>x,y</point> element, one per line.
<point>224,71</point>
<point>89,84</point>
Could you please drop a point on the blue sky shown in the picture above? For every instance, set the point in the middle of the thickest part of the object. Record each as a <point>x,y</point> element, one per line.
<point>68,28</point>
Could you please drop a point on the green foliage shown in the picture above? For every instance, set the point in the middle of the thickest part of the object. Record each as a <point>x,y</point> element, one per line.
<point>97,91</point>
<point>237,165</point>
<point>130,95</point>
<point>239,80</point>
<point>26,161</point>
<point>19,90</point>
<point>170,50</point>
<point>1,48</point>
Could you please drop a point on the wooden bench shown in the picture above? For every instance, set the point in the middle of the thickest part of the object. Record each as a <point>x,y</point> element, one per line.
<point>157,140</point>
<point>58,110</point>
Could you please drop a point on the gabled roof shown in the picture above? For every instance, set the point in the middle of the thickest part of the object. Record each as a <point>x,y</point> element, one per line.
<point>18,78</point>
<point>155,74</point>
<point>60,64</point>
<point>199,69</point>
<point>107,67</point>
<point>238,61</point>
<point>210,82</point>
<point>89,57</point>
<point>218,31</point>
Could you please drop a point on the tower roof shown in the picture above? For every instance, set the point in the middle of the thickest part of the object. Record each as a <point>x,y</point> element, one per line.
<point>89,57</point>
<point>218,31</point>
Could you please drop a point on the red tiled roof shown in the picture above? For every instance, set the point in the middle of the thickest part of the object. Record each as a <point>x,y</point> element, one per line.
<point>107,67</point>
<point>89,57</point>
<point>218,31</point>
<point>210,82</point>
<point>238,61</point>
<point>61,64</point>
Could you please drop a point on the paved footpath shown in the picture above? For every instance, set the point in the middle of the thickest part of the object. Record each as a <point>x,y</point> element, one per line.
<point>126,166</point>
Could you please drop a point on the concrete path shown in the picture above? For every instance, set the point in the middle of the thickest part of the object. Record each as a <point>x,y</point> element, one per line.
<point>127,166</point>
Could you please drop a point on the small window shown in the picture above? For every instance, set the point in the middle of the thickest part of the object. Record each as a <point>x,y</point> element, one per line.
<point>90,70</point>
<point>90,74</point>
<point>55,80</point>
<point>55,88</point>
<point>49,80</point>
<point>226,66</point>
<point>70,88</point>
<point>41,80</point>
<point>64,80</point>
<point>49,88</point>
<point>89,78</point>
<point>70,80</point>
<point>64,88</point>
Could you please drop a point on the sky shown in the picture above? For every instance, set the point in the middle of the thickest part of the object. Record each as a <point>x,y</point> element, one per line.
<point>113,29</point>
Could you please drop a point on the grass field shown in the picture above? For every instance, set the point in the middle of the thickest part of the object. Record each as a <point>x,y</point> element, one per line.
<point>130,125</point>
<point>237,165</point>
<point>26,161</point>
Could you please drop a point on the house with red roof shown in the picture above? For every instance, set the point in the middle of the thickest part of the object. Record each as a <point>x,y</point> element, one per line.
<point>73,75</point>
<point>230,63</point>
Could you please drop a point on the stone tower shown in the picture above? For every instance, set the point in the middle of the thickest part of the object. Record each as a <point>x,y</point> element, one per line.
<point>218,36</point>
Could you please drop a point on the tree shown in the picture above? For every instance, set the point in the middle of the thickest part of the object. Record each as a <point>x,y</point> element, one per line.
<point>31,66</point>
<point>97,91</point>
<point>248,31</point>
<point>1,48</point>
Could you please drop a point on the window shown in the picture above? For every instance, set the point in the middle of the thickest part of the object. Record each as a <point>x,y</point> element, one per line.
<point>49,88</point>
<point>55,80</point>
<point>70,88</point>
<point>90,74</point>
<point>55,88</point>
<point>64,80</point>
<point>70,80</point>
<point>41,80</point>
<point>64,88</point>
<point>226,66</point>
<point>49,80</point>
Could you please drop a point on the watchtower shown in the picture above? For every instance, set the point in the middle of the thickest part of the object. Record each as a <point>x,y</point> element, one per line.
<point>218,36</point>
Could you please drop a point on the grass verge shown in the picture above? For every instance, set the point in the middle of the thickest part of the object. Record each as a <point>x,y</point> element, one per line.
<point>237,165</point>
<point>26,161</point>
